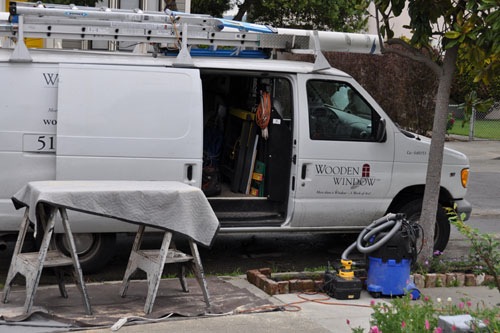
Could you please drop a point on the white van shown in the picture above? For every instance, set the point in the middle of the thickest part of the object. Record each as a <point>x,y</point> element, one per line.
<point>330,159</point>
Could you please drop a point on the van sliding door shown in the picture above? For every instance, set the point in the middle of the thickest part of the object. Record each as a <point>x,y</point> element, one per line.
<point>129,123</point>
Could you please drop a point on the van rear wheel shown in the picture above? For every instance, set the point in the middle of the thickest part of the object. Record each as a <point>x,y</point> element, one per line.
<point>413,210</point>
<point>94,250</point>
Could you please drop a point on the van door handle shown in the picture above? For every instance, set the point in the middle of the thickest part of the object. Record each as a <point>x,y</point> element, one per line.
<point>304,171</point>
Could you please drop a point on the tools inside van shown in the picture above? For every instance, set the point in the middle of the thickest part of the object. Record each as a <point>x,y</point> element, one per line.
<point>246,137</point>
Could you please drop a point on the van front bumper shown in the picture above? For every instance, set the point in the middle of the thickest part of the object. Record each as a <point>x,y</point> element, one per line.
<point>463,207</point>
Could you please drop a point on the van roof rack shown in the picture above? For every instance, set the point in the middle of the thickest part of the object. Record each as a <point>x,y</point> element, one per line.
<point>178,30</point>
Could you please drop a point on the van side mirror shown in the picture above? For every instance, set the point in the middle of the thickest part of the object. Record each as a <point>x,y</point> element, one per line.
<point>381,134</point>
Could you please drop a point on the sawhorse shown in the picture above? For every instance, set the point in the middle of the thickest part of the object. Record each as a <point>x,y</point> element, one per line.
<point>30,264</point>
<point>153,261</point>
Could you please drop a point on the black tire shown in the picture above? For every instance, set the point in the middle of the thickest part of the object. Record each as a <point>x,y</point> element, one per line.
<point>413,210</point>
<point>94,250</point>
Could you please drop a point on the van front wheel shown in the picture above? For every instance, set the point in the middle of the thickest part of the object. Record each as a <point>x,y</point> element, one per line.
<point>94,250</point>
<point>413,210</point>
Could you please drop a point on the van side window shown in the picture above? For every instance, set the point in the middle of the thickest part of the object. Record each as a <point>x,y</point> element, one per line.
<point>338,112</point>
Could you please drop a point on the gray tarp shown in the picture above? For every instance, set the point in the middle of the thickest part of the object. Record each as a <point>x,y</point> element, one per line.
<point>167,205</point>
<point>227,296</point>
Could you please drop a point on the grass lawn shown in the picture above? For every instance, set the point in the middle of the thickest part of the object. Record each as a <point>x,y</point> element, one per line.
<point>484,129</point>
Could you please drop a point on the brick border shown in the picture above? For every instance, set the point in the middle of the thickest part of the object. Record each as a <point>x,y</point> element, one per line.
<point>432,280</point>
<point>263,280</point>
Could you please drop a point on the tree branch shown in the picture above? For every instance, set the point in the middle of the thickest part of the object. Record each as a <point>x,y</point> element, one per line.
<point>381,42</point>
<point>243,9</point>
<point>412,53</point>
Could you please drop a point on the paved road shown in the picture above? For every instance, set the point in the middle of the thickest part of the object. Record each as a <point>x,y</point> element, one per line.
<point>483,192</point>
<point>484,186</point>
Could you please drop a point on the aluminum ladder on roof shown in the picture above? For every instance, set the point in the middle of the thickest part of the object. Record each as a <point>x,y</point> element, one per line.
<point>37,20</point>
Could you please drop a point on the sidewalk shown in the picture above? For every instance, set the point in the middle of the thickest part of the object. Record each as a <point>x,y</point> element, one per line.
<point>305,313</point>
<point>302,312</point>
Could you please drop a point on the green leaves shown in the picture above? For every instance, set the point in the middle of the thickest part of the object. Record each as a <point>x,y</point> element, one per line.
<point>484,248</point>
<point>404,315</point>
<point>213,7</point>
<point>398,6</point>
<point>473,102</point>
<point>472,26</point>
<point>338,15</point>
<point>452,34</point>
<point>401,315</point>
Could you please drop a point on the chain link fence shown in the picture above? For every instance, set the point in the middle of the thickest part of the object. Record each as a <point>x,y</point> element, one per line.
<point>482,125</point>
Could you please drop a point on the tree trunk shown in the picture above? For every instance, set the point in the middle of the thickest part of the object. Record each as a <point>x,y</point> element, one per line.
<point>433,180</point>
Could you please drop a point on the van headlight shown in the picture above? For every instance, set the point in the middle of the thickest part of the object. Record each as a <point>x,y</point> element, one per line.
<point>464,177</point>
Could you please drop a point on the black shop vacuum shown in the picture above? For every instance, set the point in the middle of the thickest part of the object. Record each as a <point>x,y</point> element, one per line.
<point>390,247</point>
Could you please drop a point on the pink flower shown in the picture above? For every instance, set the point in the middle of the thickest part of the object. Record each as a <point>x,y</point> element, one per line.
<point>427,325</point>
<point>348,322</point>
<point>438,330</point>
<point>469,304</point>
<point>403,324</point>
<point>372,302</point>
<point>426,298</point>
<point>374,329</point>
<point>461,305</point>
<point>453,328</point>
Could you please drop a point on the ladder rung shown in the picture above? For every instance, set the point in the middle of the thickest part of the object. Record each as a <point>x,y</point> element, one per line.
<point>90,23</point>
<point>84,32</point>
<point>102,13</point>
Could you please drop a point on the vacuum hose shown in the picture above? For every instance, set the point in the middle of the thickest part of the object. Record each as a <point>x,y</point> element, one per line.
<point>393,221</point>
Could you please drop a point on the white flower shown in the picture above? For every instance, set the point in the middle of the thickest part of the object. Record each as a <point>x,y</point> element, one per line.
<point>438,300</point>
<point>449,300</point>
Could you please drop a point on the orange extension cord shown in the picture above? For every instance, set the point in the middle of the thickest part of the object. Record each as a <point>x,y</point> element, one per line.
<point>263,113</point>
<point>313,297</point>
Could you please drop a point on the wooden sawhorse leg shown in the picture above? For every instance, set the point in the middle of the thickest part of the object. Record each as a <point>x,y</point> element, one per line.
<point>199,273</point>
<point>13,268</point>
<point>31,264</point>
<point>153,261</point>
<point>133,261</point>
<point>76,263</point>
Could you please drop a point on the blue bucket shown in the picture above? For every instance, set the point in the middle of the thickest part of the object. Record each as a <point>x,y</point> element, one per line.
<point>390,278</point>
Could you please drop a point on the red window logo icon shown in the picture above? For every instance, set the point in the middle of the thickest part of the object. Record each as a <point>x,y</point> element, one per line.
<point>366,170</point>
